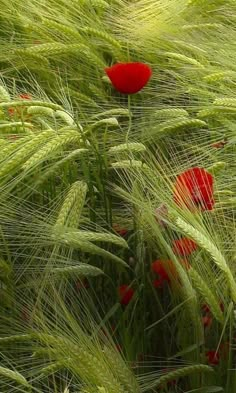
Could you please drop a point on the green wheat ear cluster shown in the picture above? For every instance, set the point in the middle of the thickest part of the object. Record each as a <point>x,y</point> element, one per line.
<point>170,113</point>
<point>127,147</point>
<point>207,245</point>
<point>219,76</point>
<point>51,148</point>
<point>4,95</point>
<point>29,103</point>
<point>15,376</point>
<point>72,240</point>
<point>97,237</point>
<point>178,123</point>
<point>66,117</point>
<point>111,122</point>
<point>216,167</point>
<point>207,295</point>
<point>21,154</point>
<point>71,209</point>
<point>184,59</point>
<point>69,32</point>
<point>40,110</point>
<point>17,126</point>
<point>123,373</point>
<point>76,154</point>
<point>82,270</point>
<point>126,164</point>
<point>117,112</point>
<point>182,372</point>
<point>103,35</point>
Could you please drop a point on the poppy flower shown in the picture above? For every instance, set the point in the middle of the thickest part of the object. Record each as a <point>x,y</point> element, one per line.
<point>25,96</point>
<point>213,358</point>
<point>12,137</point>
<point>206,321</point>
<point>129,78</point>
<point>219,145</point>
<point>119,230</point>
<point>159,284</point>
<point>158,267</point>
<point>125,294</point>
<point>81,284</point>
<point>207,309</point>
<point>194,188</point>
<point>165,270</point>
<point>11,111</point>
<point>17,110</point>
<point>184,246</point>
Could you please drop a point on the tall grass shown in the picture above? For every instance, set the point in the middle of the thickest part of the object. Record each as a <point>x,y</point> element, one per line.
<point>87,201</point>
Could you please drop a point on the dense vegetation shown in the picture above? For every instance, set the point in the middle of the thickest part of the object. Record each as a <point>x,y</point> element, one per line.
<point>117,202</point>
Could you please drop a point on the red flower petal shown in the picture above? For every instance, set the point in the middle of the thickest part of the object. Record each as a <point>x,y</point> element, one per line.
<point>125,294</point>
<point>159,268</point>
<point>11,111</point>
<point>166,270</point>
<point>219,145</point>
<point>159,284</point>
<point>206,321</point>
<point>194,188</point>
<point>213,358</point>
<point>25,96</point>
<point>119,230</point>
<point>184,246</point>
<point>129,78</point>
<point>81,284</point>
<point>206,308</point>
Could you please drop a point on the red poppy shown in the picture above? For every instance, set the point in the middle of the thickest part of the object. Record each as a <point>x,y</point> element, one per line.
<point>25,96</point>
<point>166,270</point>
<point>159,284</point>
<point>206,308</point>
<point>129,78</point>
<point>17,110</point>
<point>206,321</point>
<point>219,145</point>
<point>159,268</point>
<point>213,358</point>
<point>184,246</point>
<point>194,188</point>
<point>12,137</point>
<point>119,230</point>
<point>125,294</point>
<point>11,111</point>
<point>81,284</point>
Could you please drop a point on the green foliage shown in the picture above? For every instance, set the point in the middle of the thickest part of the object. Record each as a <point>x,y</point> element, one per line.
<point>87,201</point>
